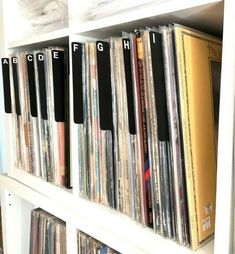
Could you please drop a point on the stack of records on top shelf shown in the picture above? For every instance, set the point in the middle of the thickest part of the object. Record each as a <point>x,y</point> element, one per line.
<point>145,119</point>
<point>48,233</point>
<point>87,244</point>
<point>38,89</point>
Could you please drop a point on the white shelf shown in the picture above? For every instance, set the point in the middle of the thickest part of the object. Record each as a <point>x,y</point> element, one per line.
<point>105,224</point>
<point>41,39</point>
<point>45,188</point>
<point>205,15</point>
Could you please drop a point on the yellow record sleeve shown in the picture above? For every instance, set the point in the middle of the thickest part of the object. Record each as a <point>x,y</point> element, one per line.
<point>198,59</point>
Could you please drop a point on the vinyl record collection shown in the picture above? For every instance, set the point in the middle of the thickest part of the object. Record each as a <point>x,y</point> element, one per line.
<point>145,110</point>
<point>87,244</point>
<point>48,233</point>
<point>36,87</point>
<point>143,124</point>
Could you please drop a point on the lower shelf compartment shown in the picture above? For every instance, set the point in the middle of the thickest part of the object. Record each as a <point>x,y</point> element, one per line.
<point>107,225</point>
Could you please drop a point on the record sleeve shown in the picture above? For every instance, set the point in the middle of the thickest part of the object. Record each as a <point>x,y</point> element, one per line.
<point>180,196</point>
<point>141,91</point>
<point>124,134</point>
<point>79,151</point>
<point>198,58</point>
<point>100,125</point>
<point>93,123</point>
<point>56,86</point>
<point>6,115</point>
<point>132,140</point>
<point>33,113</point>
<point>27,141</point>
<point>18,126</point>
<point>139,196</point>
<point>106,146</point>
<point>34,232</point>
<point>158,135</point>
<point>43,121</point>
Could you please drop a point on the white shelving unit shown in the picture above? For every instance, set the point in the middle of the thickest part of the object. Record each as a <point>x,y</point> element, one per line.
<point>21,192</point>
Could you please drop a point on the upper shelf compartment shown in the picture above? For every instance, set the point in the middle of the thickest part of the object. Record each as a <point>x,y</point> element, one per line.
<point>206,15</point>
<point>32,22</point>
